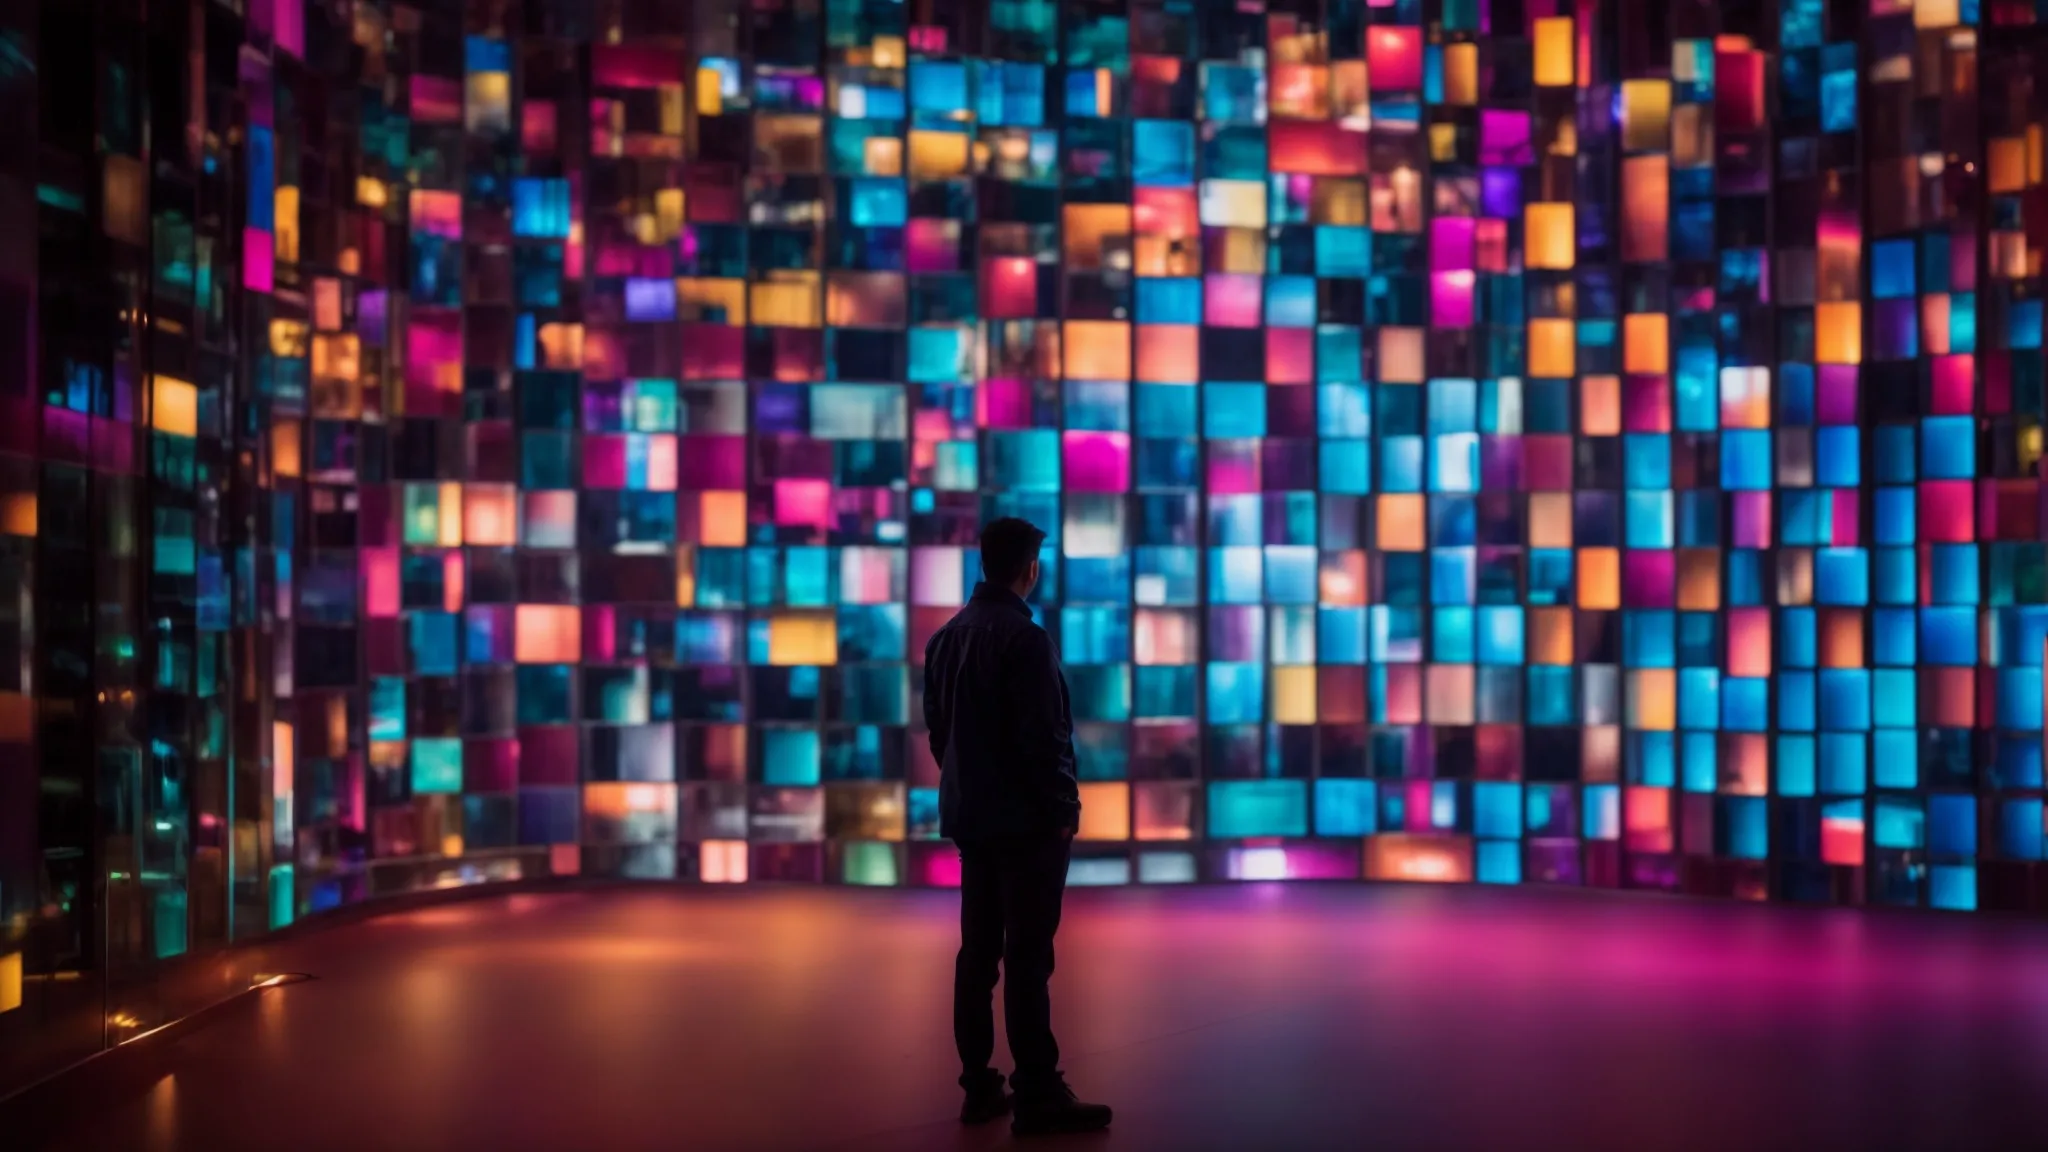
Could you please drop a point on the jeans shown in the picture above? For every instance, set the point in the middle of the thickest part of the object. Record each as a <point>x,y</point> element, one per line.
<point>1010,893</point>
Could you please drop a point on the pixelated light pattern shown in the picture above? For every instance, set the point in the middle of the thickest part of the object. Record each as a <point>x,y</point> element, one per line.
<point>1585,442</point>
<point>1480,440</point>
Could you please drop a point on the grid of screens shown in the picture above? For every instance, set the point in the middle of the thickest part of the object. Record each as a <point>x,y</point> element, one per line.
<point>1516,441</point>
<point>1495,440</point>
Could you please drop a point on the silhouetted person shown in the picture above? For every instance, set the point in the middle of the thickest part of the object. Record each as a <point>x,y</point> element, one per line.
<point>1002,732</point>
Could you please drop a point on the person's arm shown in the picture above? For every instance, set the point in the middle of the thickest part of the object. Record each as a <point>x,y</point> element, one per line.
<point>936,713</point>
<point>1045,730</point>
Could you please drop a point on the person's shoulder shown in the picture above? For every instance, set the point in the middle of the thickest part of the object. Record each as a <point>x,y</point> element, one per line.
<point>1028,635</point>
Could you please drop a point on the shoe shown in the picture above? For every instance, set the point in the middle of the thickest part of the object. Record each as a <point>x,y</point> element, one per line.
<point>984,1104</point>
<point>1056,1111</point>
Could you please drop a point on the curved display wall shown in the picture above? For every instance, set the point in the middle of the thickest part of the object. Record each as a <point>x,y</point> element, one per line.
<point>1588,442</point>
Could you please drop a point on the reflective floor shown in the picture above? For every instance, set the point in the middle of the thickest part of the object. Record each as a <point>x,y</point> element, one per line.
<point>1256,1017</point>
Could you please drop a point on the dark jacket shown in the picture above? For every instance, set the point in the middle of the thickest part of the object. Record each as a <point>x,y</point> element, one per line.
<point>1001,728</point>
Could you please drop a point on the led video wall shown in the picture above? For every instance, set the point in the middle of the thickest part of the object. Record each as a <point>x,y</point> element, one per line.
<point>1587,442</point>
<point>1495,441</point>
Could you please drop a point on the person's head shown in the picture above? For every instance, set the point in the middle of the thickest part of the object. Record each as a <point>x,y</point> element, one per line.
<point>1009,554</point>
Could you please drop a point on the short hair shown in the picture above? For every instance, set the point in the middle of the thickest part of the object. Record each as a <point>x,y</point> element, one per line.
<point>1008,546</point>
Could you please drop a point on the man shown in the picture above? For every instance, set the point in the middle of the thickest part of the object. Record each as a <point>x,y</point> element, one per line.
<point>996,704</point>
